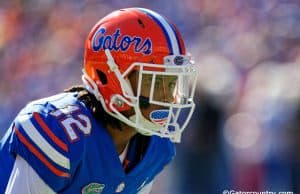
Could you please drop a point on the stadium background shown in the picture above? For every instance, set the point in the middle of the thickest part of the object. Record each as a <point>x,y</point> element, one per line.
<point>245,132</point>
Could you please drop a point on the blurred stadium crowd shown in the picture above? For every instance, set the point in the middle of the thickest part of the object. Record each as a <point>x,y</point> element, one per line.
<point>245,133</point>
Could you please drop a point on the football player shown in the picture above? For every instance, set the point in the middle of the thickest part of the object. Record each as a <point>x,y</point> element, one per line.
<point>115,133</point>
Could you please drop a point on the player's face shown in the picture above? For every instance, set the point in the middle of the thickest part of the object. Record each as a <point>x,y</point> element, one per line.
<point>162,88</point>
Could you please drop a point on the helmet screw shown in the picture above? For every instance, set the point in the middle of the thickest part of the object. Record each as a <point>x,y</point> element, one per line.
<point>118,102</point>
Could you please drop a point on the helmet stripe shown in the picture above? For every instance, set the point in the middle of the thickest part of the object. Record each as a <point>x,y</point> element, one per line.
<point>180,48</point>
<point>170,34</point>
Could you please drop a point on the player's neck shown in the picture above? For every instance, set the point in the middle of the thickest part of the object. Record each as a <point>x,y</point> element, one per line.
<point>121,137</point>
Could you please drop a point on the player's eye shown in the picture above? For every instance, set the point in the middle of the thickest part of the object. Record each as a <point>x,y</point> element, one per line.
<point>172,86</point>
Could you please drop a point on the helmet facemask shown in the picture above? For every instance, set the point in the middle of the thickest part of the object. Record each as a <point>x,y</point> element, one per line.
<point>160,95</point>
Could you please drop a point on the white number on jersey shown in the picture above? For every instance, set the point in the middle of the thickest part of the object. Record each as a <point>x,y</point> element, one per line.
<point>72,120</point>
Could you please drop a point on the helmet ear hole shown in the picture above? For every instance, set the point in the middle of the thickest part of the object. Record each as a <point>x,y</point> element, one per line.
<point>102,77</point>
